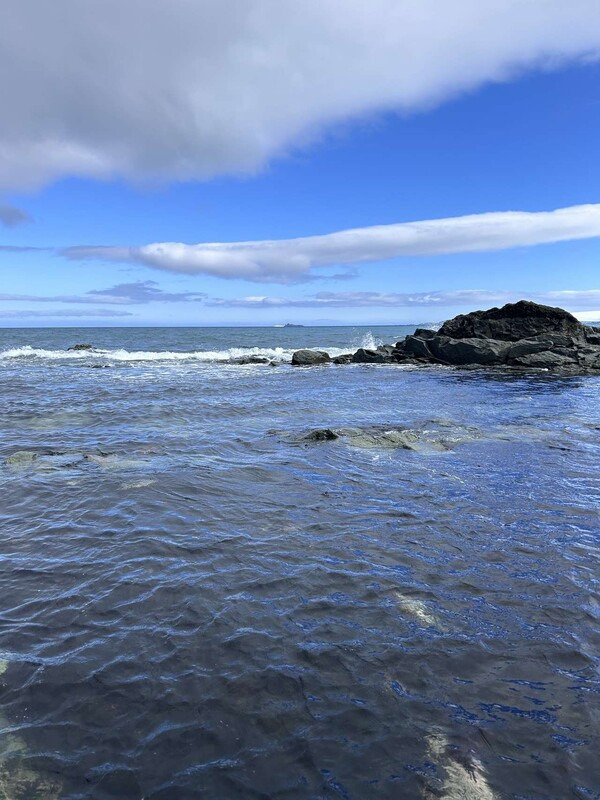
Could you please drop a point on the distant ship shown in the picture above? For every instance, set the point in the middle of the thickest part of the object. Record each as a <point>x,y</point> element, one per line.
<point>292,325</point>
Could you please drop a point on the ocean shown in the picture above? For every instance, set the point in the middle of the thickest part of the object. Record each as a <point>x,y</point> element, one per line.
<point>197,601</point>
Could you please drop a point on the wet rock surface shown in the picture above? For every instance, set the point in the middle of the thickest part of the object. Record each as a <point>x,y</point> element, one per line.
<point>321,435</point>
<point>432,437</point>
<point>306,358</point>
<point>519,336</point>
<point>84,346</point>
<point>244,360</point>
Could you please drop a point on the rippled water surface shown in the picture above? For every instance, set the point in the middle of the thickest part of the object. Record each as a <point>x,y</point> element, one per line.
<point>198,602</point>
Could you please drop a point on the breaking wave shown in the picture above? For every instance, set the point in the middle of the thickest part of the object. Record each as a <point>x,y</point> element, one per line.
<point>229,356</point>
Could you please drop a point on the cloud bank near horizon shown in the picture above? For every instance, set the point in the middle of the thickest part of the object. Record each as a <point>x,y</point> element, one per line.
<point>135,293</point>
<point>70,313</point>
<point>583,303</point>
<point>180,90</point>
<point>574,300</point>
<point>289,261</point>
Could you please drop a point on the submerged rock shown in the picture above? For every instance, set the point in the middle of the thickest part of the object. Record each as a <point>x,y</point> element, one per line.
<point>396,438</point>
<point>322,435</point>
<point>307,358</point>
<point>21,458</point>
<point>81,347</point>
<point>43,460</point>
<point>428,440</point>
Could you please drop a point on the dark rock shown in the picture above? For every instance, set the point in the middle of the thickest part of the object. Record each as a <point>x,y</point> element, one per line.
<point>252,360</point>
<point>424,333</point>
<point>521,335</point>
<point>545,360</point>
<point>417,347</point>
<point>346,358</point>
<point>592,335</point>
<point>589,357</point>
<point>81,347</point>
<point>400,354</point>
<point>321,435</point>
<point>527,347</point>
<point>364,356</point>
<point>468,351</point>
<point>512,322</point>
<point>308,358</point>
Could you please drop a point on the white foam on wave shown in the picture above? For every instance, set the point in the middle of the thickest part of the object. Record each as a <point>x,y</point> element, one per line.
<point>121,355</point>
<point>369,342</point>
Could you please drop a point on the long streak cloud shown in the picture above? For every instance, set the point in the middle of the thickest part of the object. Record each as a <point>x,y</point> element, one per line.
<point>289,261</point>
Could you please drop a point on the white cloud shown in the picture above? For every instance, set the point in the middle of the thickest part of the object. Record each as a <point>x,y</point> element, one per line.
<point>291,260</point>
<point>588,316</point>
<point>190,89</point>
<point>467,298</point>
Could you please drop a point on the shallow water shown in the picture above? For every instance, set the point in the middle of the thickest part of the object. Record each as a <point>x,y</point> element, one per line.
<point>197,602</point>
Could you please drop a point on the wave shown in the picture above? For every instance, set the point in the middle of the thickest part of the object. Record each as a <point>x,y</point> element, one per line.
<point>231,355</point>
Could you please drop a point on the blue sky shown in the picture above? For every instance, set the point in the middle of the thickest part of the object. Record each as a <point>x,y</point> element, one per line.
<point>525,140</point>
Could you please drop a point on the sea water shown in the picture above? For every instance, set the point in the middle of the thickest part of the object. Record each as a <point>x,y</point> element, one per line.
<point>198,602</point>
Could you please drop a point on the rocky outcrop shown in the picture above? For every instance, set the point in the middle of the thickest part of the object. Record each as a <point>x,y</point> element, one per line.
<point>81,347</point>
<point>521,335</point>
<point>512,322</point>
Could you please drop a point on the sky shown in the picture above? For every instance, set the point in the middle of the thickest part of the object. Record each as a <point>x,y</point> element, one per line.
<point>257,162</point>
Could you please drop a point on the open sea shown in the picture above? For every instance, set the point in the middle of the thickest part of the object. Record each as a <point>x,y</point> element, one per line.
<point>198,602</point>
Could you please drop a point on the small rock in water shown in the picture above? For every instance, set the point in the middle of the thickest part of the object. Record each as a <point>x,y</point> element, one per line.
<point>322,435</point>
<point>81,347</point>
<point>243,360</point>
<point>365,356</point>
<point>308,358</point>
<point>345,358</point>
